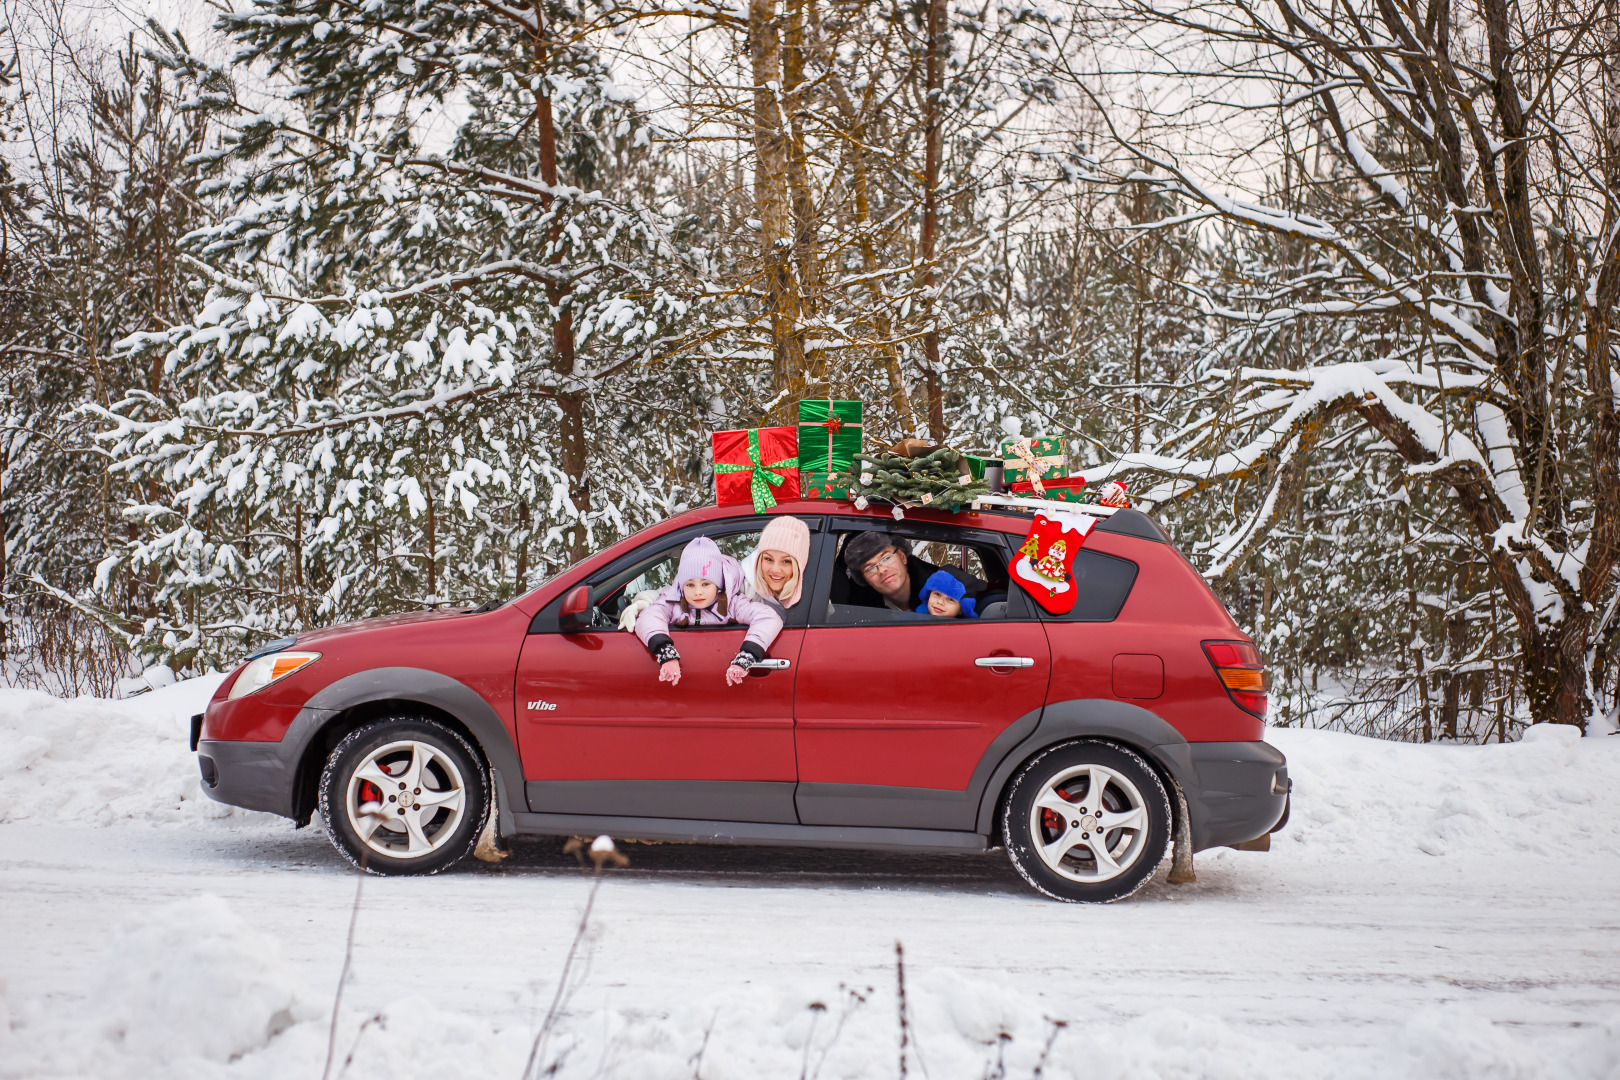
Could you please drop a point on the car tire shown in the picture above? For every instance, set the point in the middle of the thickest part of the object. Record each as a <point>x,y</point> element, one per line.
<point>1057,850</point>
<point>404,795</point>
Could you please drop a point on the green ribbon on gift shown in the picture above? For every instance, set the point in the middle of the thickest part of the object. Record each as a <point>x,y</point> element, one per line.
<point>761,478</point>
<point>841,420</point>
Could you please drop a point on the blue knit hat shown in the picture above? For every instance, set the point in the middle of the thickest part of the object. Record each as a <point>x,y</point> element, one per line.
<point>943,581</point>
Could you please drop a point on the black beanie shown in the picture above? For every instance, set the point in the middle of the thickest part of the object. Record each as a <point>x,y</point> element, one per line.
<point>863,548</point>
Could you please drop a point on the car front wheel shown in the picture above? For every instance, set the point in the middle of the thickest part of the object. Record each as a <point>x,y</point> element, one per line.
<point>1087,822</point>
<point>403,796</point>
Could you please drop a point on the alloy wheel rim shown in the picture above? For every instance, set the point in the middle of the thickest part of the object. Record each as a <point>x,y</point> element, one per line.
<point>406,799</point>
<point>1089,824</point>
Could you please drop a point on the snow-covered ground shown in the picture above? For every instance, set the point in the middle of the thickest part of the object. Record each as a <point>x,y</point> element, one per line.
<point>1431,912</point>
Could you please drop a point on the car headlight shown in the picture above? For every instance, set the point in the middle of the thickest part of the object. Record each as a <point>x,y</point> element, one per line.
<point>265,670</point>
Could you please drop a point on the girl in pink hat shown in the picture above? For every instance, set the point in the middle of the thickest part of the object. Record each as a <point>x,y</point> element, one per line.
<point>775,569</point>
<point>708,590</point>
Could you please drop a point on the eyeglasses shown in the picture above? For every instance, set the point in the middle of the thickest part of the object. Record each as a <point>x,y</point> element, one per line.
<point>882,562</point>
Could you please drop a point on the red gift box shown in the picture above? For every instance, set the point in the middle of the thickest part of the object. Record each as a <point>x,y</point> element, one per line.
<point>759,466</point>
<point>1066,489</point>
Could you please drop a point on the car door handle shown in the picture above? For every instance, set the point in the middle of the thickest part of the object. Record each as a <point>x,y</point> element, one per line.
<point>1004,661</point>
<point>770,665</point>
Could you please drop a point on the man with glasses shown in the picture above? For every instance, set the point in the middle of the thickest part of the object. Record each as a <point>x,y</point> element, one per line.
<point>886,575</point>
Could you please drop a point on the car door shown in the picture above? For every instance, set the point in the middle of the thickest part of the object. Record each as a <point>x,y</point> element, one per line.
<point>600,735</point>
<point>898,717</point>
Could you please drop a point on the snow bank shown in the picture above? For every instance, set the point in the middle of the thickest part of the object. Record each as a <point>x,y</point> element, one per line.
<point>92,761</point>
<point>95,762</point>
<point>193,981</point>
<point>1554,795</point>
<point>183,990</point>
<point>187,990</point>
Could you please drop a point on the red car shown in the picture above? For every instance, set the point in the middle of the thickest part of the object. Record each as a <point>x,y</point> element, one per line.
<point>1083,744</point>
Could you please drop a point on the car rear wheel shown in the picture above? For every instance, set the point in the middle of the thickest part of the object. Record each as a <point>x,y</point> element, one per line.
<point>404,795</point>
<point>1087,822</point>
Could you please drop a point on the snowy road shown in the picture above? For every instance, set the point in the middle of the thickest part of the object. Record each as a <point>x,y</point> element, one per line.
<point>1432,912</point>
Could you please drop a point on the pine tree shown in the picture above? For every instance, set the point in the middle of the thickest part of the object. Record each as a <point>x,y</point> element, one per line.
<point>393,380</point>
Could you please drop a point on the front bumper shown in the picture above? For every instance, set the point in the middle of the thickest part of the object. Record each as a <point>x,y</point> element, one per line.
<point>1241,794</point>
<point>252,775</point>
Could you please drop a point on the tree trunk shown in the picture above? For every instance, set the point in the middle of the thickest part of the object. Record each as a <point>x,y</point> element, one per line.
<point>861,185</point>
<point>806,254</point>
<point>784,307</point>
<point>432,546</point>
<point>300,605</point>
<point>522,571</point>
<point>575,459</point>
<point>937,46</point>
<point>5,465</point>
<point>1451,703</point>
<point>1603,547</point>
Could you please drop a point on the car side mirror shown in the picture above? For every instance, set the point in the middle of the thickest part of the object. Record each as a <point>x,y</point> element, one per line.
<point>576,607</point>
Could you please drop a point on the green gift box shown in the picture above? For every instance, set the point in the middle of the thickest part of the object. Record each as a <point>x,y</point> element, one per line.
<point>1034,459</point>
<point>825,485</point>
<point>975,466</point>
<point>829,435</point>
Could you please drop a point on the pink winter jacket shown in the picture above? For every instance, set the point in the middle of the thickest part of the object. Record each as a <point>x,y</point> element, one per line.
<point>762,619</point>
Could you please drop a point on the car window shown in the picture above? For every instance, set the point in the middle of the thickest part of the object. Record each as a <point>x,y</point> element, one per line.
<point>610,596</point>
<point>979,558</point>
<point>1102,584</point>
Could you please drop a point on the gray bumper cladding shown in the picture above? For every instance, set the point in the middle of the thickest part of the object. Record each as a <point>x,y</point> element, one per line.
<point>1242,790</point>
<point>252,775</point>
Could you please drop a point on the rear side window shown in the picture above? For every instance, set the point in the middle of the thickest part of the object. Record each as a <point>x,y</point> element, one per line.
<point>1103,582</point>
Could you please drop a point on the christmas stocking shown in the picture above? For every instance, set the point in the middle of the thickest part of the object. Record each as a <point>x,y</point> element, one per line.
<point>1045,564</point>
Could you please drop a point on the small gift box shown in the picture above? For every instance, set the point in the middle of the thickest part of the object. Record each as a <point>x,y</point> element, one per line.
<point>1069,489</point>
<point>756,465</point>
<point>829,434</point>
<point>825,485</point>
<point>975,466</point>
<point>1034,461</point>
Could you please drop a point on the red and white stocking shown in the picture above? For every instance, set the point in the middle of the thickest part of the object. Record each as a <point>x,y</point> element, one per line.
<point>1044,567</point>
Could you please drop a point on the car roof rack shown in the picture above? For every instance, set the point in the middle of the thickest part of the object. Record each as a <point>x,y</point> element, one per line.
<point>1009,502</point>
<point>1123,520</point>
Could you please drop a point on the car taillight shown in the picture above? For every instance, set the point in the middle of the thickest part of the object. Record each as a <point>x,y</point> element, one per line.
<point>1241,672</point>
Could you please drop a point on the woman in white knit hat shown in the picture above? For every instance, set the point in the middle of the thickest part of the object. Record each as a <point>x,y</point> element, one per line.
<point>774,571</point>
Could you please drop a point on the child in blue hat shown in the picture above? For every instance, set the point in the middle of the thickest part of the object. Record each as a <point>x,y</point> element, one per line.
<point>945,597</point>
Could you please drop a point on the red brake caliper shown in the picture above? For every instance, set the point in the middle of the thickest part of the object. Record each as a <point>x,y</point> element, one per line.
<point>1050,819</point>
<point>369,792</point>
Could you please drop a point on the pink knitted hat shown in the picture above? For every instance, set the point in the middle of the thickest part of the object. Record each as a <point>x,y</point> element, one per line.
<point>791,537</point>
<point>702,559</point>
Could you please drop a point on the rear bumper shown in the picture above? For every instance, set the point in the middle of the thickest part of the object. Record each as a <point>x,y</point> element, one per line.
<point>252,775</point>
<point>1241,792</point>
